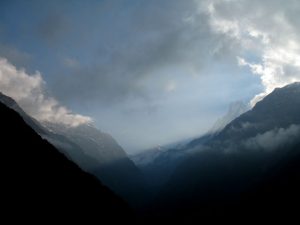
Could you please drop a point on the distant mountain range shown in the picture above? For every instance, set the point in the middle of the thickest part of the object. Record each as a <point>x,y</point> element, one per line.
<point>39,184</point>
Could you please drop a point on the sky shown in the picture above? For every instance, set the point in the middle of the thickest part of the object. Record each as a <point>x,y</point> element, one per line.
<point>148,72</point>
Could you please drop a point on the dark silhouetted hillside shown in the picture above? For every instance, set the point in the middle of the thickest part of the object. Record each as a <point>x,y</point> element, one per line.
<point>93,151</point>
<point>39,183</point>
<point>249,170</point>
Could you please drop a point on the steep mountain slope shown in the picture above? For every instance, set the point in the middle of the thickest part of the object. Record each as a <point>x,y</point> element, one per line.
<point>98,145</point>
<point>280,109</point>
<point>9,102</point>
<point>93,150</point>
<point>250,168</point>
<point>103,157</point>
<point>276,115</point>
<point>70,149</point>
<point>41,184</point>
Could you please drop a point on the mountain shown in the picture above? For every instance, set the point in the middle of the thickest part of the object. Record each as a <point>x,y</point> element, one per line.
<point>159,163</point>
<point>34,124</point>
<point>71,150</point>
<point>98,145</point>
<point>234,111</point>
<point>103,157</point>
<point>280,109</point>
<point>275,117</point>
<point>94,151</point>
<point>250,169</point>
<point>40,184</point>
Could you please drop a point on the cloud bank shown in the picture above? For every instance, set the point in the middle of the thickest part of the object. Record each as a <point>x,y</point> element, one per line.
<point>267,33</point>
<point>29,92</point>
<point>274,139</point>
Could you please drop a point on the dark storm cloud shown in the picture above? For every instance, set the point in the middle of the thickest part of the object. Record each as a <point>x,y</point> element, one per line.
<point>111,50</point>
<point>155,37</point>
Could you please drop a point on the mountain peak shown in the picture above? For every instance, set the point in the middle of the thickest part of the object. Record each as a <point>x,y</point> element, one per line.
<point>293,85</point>
<point>235,110</point>
<point>285,96</point>
<point>288,89</point>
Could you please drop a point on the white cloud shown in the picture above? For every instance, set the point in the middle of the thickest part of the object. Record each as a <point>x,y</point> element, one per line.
<point>266,29</point>
<point>28,91</point>
<point>274,139</point>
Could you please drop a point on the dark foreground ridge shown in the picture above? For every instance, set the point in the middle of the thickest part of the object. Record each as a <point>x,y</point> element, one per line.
<point>40,184</point>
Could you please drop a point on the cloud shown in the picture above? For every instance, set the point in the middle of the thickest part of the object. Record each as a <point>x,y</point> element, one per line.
<point>29,92</point>
<point>268,35</point>
<point>134,64</point>
<point>139,48</point>
<point>274,139</point>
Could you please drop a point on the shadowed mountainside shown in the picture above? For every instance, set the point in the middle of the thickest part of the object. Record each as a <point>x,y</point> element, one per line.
<point>93,151</point>
<point>99,154</point>
<point>40,182</point>
<point>159,163</point>
<point>251,169</point>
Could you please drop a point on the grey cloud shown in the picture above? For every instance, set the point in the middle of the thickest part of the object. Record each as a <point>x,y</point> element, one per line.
<point>158,37</point>
<point>274,139</point>
<point>133,64</point>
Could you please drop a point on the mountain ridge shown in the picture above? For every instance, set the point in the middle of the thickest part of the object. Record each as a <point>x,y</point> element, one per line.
<point>40,183</point>
<point>227,178</point>
<point>94,151</point>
